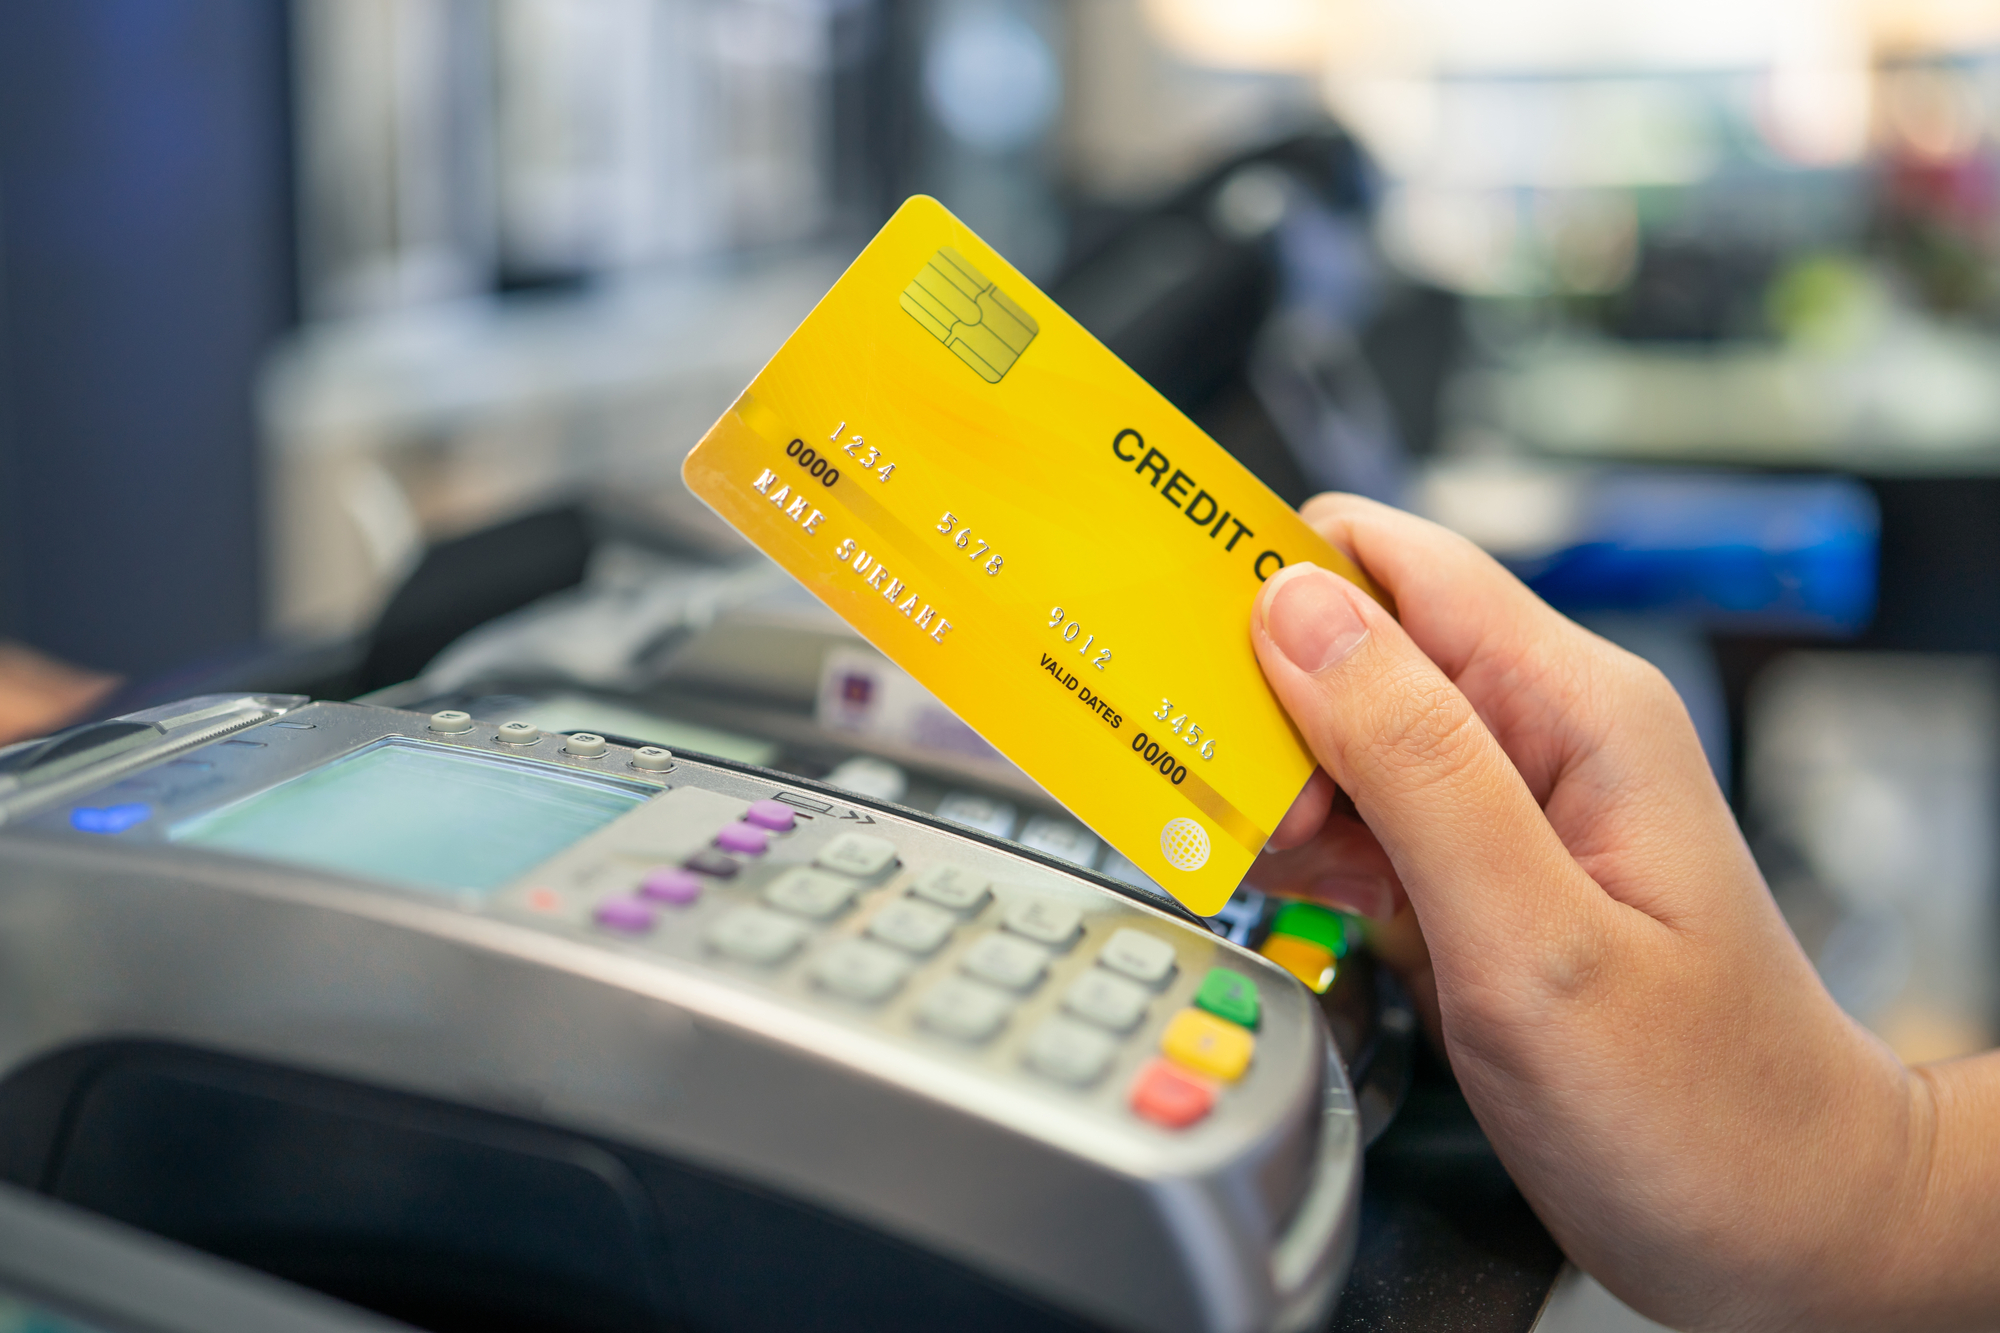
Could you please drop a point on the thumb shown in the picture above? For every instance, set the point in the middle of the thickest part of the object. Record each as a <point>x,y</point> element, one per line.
<point>1481,864</point>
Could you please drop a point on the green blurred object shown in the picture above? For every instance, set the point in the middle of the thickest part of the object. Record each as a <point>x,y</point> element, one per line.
<point>1322,925</point>
<point>1229,995</point>
<point>1827,301</point>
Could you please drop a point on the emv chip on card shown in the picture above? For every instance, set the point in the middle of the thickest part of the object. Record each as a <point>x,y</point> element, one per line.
<point>968,314</point>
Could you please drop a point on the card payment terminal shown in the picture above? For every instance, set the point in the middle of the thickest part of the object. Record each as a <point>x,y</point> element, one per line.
<point>984,1071</point>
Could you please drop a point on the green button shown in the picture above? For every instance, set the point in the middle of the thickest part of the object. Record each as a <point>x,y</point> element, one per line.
<point>1309,921</point>
<point>1229,995</point>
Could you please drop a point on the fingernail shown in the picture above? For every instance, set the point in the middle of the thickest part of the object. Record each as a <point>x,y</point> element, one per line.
<point>1311,618</point>
<point>1364,895</point>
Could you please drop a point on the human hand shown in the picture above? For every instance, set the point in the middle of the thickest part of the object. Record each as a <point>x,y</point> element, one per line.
<point>39,695</point>
<point>1640,1035</point>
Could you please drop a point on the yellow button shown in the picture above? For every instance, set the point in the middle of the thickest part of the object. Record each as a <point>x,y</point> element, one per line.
<point>1208,1045</point>
<point>1309,962</point>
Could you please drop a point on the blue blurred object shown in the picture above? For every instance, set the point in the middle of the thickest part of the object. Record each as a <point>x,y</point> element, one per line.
<point>109,818</point>
<point>145,267</point>
<point>1792,555</point>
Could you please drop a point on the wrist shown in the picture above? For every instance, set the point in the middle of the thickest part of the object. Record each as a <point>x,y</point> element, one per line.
<point>1915,1249</point>
<point>1848,1245</point>
<point>1939,1272</point>
<point>1903,1227</point>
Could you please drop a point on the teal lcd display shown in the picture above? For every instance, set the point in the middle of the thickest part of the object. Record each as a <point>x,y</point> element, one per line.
<point>417,814</point>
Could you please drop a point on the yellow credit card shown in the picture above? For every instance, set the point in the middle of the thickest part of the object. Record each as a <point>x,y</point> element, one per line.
<point>1027,527</point>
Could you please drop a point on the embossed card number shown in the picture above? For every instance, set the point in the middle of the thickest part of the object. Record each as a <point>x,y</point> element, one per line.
<point>964,542</point>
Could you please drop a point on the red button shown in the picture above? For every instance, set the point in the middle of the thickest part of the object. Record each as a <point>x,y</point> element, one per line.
<point>1167,1096</point>
<point>544,900</point>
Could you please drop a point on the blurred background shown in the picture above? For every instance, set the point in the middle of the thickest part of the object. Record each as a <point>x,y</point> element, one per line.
<point>1690,312</point>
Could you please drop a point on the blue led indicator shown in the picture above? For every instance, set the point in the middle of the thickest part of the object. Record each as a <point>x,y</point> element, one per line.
<point>109,818</point>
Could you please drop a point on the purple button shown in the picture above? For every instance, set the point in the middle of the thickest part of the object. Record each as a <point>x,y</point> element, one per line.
<point>627,915</point>
<point>773,815</point>
<point>745,838</point>
<point>666,884</point>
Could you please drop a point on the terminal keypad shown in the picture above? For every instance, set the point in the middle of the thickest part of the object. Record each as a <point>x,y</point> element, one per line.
<point>1009,975</point>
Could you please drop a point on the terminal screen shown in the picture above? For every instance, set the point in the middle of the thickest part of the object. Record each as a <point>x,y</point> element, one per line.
<point>417,815</point>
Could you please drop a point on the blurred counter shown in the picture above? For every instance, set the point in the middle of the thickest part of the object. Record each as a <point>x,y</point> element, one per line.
<point>1921,399</point>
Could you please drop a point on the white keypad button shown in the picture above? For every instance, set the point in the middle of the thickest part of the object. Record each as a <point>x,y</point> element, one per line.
<point>1006,961</point>
<point>860,970</point>
<point>952,886</point>
<point>753,935</point>
<point>1043,921</point>
<point>1108,1001</point>
<point>1144,958</point>
<point>964,1010</point>
<point>857,854</point>
<point>812,893</point>
<point>1069,1052</point>
<point>915,927</point>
